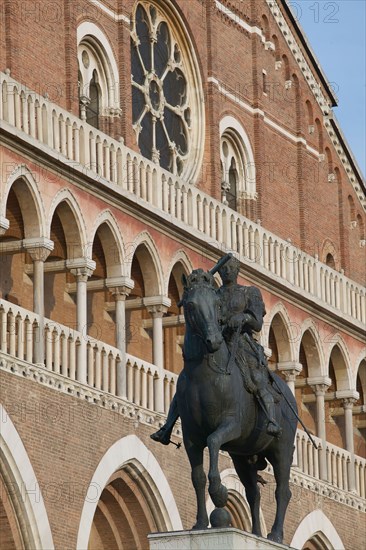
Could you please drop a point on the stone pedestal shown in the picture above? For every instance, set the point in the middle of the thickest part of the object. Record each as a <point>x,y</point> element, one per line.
<point>211,539</point>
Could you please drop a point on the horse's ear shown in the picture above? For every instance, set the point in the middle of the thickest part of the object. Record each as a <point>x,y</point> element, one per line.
<point>184,280</point>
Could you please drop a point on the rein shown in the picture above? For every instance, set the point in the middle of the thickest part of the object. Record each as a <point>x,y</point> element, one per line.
<point>227,370</point>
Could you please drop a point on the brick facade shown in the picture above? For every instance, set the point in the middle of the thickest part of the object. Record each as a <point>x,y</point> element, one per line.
<point>307,197</point>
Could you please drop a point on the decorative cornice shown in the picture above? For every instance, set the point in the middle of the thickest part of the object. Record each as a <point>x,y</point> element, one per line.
<point>324,104</point>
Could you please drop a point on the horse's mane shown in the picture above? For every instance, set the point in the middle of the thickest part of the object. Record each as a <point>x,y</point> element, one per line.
<point>198,278</point>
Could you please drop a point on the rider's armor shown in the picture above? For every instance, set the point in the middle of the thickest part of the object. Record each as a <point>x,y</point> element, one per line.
<point>243,305</point>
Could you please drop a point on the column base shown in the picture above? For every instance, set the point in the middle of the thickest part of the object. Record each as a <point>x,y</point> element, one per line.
<point>229,538</point>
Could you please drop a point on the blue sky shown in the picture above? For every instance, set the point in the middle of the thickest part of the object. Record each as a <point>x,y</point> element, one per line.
<point>336,32</point>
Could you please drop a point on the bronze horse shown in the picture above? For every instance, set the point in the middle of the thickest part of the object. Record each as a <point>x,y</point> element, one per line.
<point>219,413</point>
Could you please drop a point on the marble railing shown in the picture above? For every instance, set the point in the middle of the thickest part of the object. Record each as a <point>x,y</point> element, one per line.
<point>339,471</point>
<point>84,147</point>
<point>147,385</point>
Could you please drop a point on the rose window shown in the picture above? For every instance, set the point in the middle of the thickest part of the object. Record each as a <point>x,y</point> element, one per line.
<point>162,104</point>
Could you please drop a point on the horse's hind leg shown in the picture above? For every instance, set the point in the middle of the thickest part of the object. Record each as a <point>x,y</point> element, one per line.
<point>281,469</point>
<point>248,476</point>
<point>195,455</point>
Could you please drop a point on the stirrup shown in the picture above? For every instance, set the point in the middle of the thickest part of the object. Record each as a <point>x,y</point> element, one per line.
<point>162,436</point>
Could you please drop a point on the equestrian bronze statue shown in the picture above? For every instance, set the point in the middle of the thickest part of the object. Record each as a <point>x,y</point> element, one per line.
<point>226,396</point>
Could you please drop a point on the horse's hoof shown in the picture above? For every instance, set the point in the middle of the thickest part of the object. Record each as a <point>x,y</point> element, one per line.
<point>219,496</point>
<point>275,537</point>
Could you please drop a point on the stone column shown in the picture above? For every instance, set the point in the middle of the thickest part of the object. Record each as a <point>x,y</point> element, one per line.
<point>157,306</point>
<point>120,293</point>
<point>349,398</point>
<point>39,250</point>
<point>291,369</point>
<point>81,268</point>
<point>320,385</point>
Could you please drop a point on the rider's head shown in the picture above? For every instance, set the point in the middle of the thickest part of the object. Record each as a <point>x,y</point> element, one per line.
<point>230,270</point>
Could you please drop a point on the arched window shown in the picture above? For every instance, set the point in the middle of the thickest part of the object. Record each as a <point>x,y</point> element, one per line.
<point>237,165</point>
<point>97,75</point>
<point>167,102</point>
<point>329,260</point>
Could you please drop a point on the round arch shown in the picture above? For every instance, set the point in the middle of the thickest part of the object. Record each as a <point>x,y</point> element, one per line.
<point>28,500</point>
<point>112,242</point>
<point>147,253</point>
<point>130,451</point>
<point>72,221</point>
<point>313,523</point>
<point>30,201</point>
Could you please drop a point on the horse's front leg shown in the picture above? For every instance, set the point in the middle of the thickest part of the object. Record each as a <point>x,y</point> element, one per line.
<point>226,432</point>
<point>195,455</point>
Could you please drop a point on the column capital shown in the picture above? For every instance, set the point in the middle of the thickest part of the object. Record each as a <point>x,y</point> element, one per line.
<point>157,305</point>
<point>4,225</point>
<point>81,268</point>
<point>120,287</point>
<point>348,402</point>
<point>319,384</point>
<point>290,368</point>
<point>39,248</point>
<point>347,394</point>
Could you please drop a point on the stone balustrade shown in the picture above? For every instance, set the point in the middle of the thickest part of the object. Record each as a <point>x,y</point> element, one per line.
<point>87,149</point>
<point>147,384</point>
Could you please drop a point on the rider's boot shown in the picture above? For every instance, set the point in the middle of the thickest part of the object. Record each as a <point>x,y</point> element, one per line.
<point>163,435</point>
<point>267,400</point>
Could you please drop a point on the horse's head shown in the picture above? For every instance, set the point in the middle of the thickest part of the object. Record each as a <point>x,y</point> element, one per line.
<point>201,305</point>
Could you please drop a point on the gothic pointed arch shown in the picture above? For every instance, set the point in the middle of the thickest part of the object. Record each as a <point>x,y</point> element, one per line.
<point>278,325</point>
<point>316,523</point>
<point>238,179</point>
<point>312,346</point>
<point>146,252</point>
<point>107,231</point>
<point>98,74</point>
<point>131,487</point>
<point>68,210</point>
<point>30,525</point>
<point>338,354</point>
<point>23,184</point>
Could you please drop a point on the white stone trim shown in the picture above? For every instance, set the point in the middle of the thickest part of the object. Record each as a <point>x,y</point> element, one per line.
<point>21,171</point>
<point>316,522</point>
<point>239,21</point>
<point>104,57</point>
<point>315,88</point>
<point>119,266</point>
<point>144,238</point>
<point>129,449</point>
<point>65,195</point>
<point>108,11</point>
<point>104,400</point>
<point>235,99</point>
<point>33,507</point>
<point>228,123</point>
